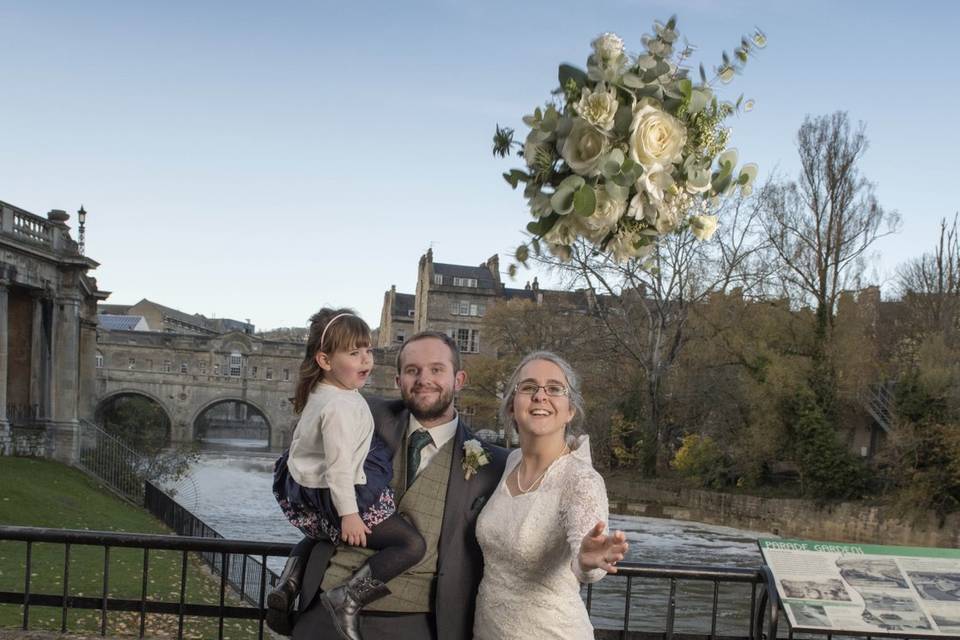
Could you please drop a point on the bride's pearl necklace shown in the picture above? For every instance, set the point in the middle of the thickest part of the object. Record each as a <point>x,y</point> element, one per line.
<point>537,480</point>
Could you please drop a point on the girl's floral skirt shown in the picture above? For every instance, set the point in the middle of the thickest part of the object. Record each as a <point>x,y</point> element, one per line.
<point>311,510</point>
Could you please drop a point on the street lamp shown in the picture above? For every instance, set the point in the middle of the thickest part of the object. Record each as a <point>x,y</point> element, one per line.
<point>82,217</point>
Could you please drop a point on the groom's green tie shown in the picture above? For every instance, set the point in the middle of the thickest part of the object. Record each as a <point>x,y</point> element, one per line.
<point>417,441</point>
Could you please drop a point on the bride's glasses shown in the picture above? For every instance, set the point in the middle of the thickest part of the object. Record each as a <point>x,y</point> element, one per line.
<point>553,389</point>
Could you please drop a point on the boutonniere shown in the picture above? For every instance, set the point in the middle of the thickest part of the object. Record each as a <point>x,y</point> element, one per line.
<point>474,457</point>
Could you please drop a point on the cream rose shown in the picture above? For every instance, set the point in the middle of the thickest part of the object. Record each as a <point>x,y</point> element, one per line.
<point>656,137</point>
<point>584,148</point>
<point>599,107</point>
<point>605,217</point>
<point>608,46</point>
<point>703,227</point>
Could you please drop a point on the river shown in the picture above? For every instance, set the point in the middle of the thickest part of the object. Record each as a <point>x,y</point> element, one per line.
<point>231,491</point>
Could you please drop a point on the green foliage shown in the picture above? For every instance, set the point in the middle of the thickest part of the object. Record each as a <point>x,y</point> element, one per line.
<point>142,425</point>
<point>922,460</point>
<point>631,447</point>
<point>827,469</point>
<point>700,459</point>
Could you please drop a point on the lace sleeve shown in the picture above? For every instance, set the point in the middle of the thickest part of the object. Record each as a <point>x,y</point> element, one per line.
<point>584,503</point>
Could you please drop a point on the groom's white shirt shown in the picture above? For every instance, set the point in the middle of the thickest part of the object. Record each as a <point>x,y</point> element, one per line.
<point>440,434</point>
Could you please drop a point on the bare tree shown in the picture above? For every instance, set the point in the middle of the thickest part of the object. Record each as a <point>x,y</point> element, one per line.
<point>931,283</point>
<point>822,225</point>
<point>642,309</point>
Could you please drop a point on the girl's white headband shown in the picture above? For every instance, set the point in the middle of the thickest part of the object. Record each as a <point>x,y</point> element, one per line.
<point>323,334</point>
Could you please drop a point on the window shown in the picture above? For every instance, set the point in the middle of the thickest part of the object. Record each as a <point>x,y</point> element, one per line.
<point>167,366</point>
<point>465,282</point>
<point>286,375</point>
<point>183,367</point>
<point>401,336</point>
<point>269,375</point>
<point>251,372</point>
<point>99,361</point>
<point>437,278</point>
<point>216,369</point>
<point>203,367</point>
<point>468,340</point>
<point>132,363</point>
<point>410,313</point>
<point>466,308</point>
<point>236,362</point>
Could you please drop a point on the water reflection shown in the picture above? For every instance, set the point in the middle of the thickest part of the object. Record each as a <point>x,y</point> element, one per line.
<point>232,493</point>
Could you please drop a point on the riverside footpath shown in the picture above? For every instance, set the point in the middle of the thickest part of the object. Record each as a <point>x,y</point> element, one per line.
<point>788,517</point>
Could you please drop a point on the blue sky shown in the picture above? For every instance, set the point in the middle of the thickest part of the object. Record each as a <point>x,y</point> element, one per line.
<point>259,160</point>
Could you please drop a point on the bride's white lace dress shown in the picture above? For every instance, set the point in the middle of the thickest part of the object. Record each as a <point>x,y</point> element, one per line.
<point>531,577</point>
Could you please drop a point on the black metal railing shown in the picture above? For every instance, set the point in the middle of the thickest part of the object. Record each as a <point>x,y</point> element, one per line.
<point>631,574</point>
<point>220,550</point>
<point>142,605</point>
<point>242,571</point>
<point>109,459</point>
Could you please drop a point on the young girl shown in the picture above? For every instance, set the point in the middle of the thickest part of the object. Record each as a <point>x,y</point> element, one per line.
<point>334,481</point>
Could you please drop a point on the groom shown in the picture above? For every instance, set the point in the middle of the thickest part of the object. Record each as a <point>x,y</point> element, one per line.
<point>434,599</point>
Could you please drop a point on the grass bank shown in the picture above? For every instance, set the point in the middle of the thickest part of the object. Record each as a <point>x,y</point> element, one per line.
<point>41,493</point>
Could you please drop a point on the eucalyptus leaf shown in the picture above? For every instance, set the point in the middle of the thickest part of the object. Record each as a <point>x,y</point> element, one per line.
<point>585,201</point>
<point>572,183</point>
<point>522,254</point>
<point>562,201</point>
<point>536,246</point>
<point>617,192</point>
<point>632,80</point>
<point>686,87</point>
<point>570,72</point>
<point>698,101</point>
<point>646,61</point>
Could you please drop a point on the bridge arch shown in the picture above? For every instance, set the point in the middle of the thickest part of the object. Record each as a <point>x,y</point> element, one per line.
<point>132,433</point>
<point>259,410</point>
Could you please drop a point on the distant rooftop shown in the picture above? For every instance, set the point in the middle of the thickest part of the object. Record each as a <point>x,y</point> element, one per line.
<point>121,323</point>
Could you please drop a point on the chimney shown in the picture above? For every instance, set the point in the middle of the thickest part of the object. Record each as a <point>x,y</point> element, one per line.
<point>536,285</point>
<point>493,265</point>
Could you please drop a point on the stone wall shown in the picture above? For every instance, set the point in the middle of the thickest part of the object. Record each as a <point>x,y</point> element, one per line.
<point>788,517</point>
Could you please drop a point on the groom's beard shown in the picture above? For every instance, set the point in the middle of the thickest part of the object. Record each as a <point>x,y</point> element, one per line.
<point>423,408</point>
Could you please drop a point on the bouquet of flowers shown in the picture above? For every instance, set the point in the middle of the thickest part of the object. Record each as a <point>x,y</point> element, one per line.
<point>630,150</point>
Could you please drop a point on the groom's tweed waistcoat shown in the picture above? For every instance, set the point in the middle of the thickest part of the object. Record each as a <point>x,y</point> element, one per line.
<point>423,505</point>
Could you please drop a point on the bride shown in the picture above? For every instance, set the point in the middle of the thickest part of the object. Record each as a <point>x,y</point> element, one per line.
<point>542,532</point>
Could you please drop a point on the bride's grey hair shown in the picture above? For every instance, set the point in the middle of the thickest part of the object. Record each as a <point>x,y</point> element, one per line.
<point>573,385</point>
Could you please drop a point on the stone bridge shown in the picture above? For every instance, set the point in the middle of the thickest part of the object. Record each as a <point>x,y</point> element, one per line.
<point>188,374</point>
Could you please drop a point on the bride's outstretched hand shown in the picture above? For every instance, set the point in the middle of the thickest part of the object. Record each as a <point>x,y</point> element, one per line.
<point>599,551</point>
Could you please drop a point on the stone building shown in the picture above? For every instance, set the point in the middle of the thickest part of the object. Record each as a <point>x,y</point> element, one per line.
<point>47,333</point>
<point>396,318</point>
<point>194,376</point>
<point>170,320</point>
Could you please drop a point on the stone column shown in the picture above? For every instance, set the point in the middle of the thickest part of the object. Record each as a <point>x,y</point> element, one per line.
<point>63,425</point>
<point>6,437</point>
<point>39,359</point>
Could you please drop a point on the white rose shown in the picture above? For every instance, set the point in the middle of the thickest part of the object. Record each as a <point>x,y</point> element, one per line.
<point>656,137</point>
<point>622,246</point>
<point>656,184</point>
<point>599,107</point>
<point>605,217</point>
<point>608,46</point>
<point>472,447</point>
<point>703,227</point>
<point>584,148</point>
<point>668,219</point>
<point>564,232</point>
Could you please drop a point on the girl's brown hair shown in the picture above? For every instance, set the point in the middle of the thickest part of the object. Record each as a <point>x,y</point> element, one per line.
<point>344,334</point>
